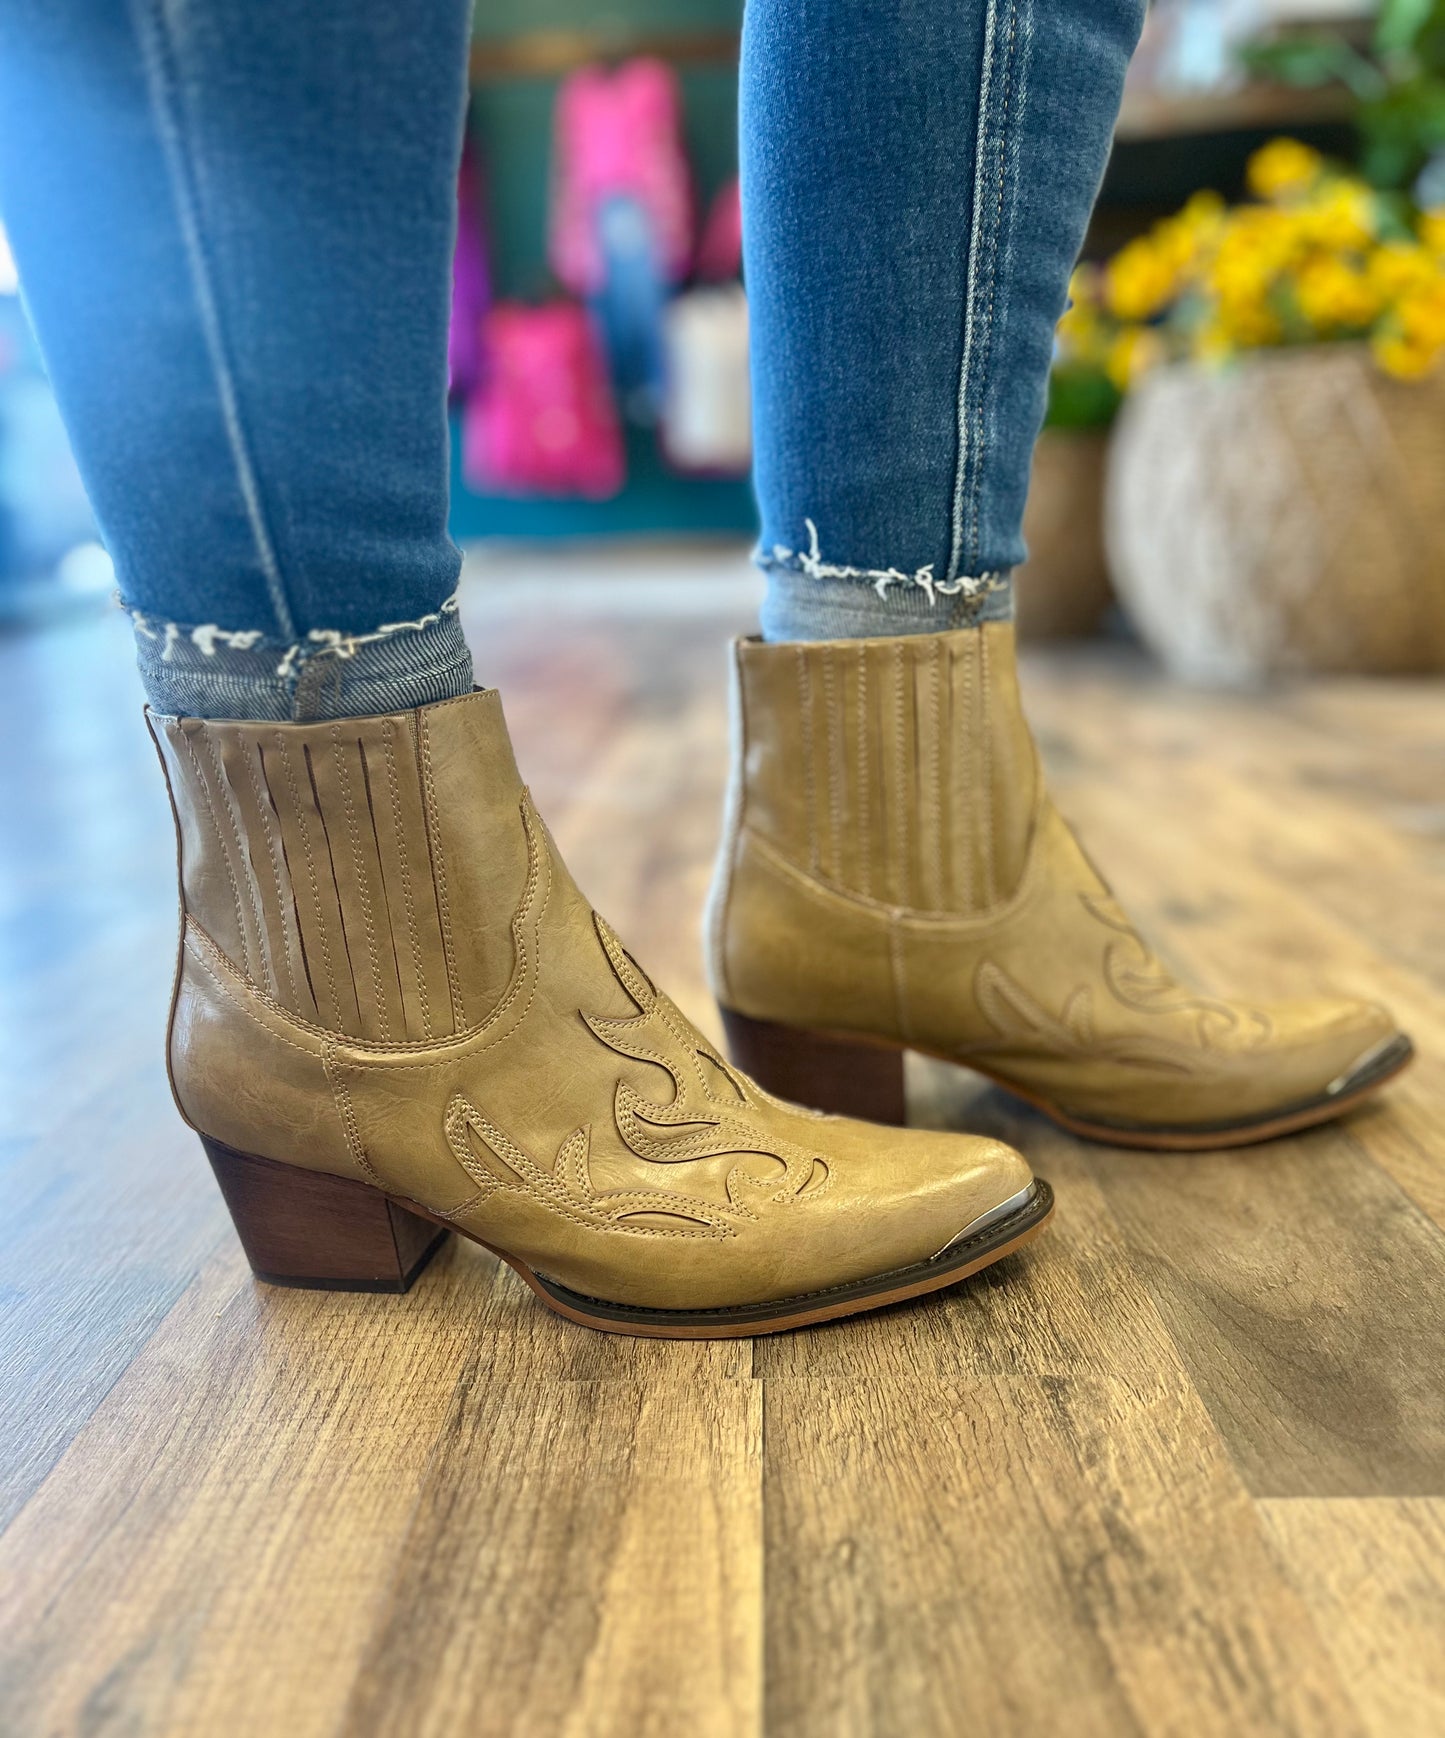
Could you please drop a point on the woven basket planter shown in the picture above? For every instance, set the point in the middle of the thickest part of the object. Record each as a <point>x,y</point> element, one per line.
<point>1063,588</point>
<point>1286,515</point>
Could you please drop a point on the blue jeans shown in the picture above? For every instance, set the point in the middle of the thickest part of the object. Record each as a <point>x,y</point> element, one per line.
<point>234,224</point>
<point>234,220</point>
<point>917,179</point>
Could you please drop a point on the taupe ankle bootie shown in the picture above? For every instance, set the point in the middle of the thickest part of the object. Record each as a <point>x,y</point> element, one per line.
<point>395,1014</point>
<point>894,876</point>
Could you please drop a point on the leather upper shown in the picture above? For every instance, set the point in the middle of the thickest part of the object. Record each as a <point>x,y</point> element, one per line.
<point>894,866</point>
<point>388,974</point>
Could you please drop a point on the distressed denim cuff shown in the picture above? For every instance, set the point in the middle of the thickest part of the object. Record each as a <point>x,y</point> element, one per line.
<point>211,672</point>
<point>812,599</point>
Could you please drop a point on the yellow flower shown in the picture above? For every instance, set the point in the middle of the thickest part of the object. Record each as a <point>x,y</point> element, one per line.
<point>1132,354</point>
<point>1086,286</point>
<point>1203,212</point>
<point>1139,280</point>
<point>1282,168</point>
<point>1080,334</point>
<point>1305,259</point>
<point>1258,240</point>
<point>1398,267</point>
<point>1421,316</point>
<point>1334,294</point>
<point>1341,215</point>
<point>1249,324</point>
<point>1180,239</point>
<point>1241,277</point>
<point>1403,357</point>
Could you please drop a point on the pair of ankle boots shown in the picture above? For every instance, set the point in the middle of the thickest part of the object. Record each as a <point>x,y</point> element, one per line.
<point>396,1015</point>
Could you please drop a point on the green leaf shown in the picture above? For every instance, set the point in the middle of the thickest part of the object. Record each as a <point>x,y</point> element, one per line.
<point>1308,59</point>
<point>1081,397</point>
<point>1399,23</point>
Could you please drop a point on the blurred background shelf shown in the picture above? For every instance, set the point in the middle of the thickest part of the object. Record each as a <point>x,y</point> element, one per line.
<point>550,54</point>
<point>1165,114</point>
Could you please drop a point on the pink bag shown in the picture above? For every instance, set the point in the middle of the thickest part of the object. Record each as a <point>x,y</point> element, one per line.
<point>619,133</point>
<point>471,287</point>
<point>720,252</point>
<point>543,421</point>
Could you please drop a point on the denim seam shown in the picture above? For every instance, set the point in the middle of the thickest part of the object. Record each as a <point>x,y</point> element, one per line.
<point>162,78</point>
<point>981,291</point>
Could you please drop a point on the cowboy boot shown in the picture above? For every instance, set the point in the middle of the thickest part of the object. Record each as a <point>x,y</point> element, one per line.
<point>894,877</point>
<point>395,1015</point>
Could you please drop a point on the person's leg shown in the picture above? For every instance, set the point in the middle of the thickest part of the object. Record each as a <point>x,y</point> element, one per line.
<point>916,183</point>
<point>394,1012</point>
<point>234,227</point>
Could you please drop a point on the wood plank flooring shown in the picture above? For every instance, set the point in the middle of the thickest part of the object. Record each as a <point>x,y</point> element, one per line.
<point>1179,1469</point>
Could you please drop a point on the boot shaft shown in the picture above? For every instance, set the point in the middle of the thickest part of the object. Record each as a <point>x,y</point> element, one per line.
<point>901,770</point>
<point>362,874</point>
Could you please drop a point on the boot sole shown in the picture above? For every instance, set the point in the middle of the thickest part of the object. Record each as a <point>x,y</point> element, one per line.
<point>322,1232</point>
<point>850,1074</point>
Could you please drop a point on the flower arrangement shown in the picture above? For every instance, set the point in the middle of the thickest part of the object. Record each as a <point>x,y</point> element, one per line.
<point>1316,256</point>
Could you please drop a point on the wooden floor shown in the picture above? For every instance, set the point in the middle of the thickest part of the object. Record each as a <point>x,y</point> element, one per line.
<point>1179,1469</point>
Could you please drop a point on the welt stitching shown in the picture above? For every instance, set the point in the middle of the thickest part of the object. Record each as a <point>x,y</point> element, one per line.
<point>645,1200</point>
<point>520,921</point>
<point>636,1051</point>
<point>935,754</point>
<point>706,1144</point>
<point>737,797</point>
<point>915,917</point>
<point>897,973</point>
<point>439,874</point>
<point>664,1013</point>
<point>626,1230</point>
<point>953,1249</point>
<point>666,1009</point>
<point>947,780</point>
<point>229,992</point>
<point>833,722</point>
<point>967,797</point>
<point>363,892</point>
<point>402,1048</point>
<point>985,789</point>
<point>519,977</point>
<point>225,855</point>
<point>311,876</point>
<point>900,774</point>
<point>805,701</point>
<point>328,1038</point>
<point>552,1193</point>
<point>261,807</point>
<point>630,1199</point>
<point>865,820</point>
<point>244,864</point>
<point>394,786</point>
<point>346,1110</point>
